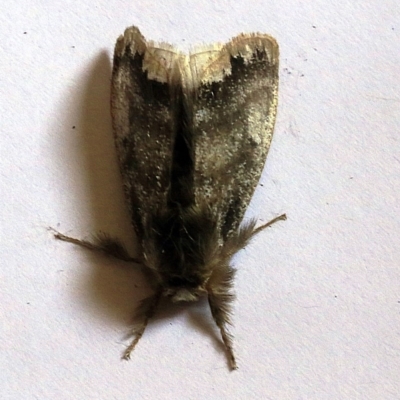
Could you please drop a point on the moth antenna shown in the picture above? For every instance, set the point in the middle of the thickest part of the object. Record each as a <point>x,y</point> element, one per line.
<point>102,243</point>
<point>220,309</point>
<point>262,227</point>
<point>146,310</point>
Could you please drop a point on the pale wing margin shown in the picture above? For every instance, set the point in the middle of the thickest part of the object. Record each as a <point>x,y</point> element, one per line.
<point>234,92</point>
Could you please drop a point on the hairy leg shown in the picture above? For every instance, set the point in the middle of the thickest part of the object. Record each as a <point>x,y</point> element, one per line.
<point>101,242</point>
<point>145,311</point>
<point>262,227</point>
<point>220,306</point>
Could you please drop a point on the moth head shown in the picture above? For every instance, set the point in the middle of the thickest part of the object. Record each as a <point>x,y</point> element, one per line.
<point>184,293</point>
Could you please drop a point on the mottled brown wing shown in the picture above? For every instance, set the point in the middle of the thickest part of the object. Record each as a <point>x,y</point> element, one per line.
<point>143,121</point>
<point>233,95</point>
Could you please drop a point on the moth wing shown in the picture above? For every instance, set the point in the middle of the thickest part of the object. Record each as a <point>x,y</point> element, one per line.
<point>143,122</point>
<point>233,105</point>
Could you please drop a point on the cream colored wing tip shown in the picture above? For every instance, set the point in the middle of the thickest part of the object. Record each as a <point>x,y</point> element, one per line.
<point>260,40</point>
<point>242,43</point>
<point>133,37</point>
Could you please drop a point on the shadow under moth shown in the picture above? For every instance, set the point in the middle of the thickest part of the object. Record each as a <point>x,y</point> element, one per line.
<point>192,133</point>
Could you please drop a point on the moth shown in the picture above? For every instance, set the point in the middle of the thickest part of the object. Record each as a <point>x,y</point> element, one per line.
<point>192,133</point>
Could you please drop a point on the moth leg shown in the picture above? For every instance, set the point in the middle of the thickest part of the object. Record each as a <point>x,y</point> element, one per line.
<point>262,227</point>
<point>145,311</point>
<point>101,242</point>
<point>220,309</point>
